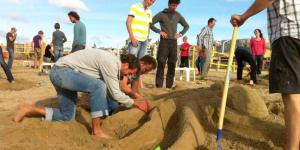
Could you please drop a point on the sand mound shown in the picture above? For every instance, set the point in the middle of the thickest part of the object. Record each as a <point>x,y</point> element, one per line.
<point>182,118</point>
<point>177,121</point>
<point>246,100</point>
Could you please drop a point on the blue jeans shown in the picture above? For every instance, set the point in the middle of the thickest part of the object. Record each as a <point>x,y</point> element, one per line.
<point>11,57</point>
<point>259,63</point>
<point>58,52</point>
<point>200,64</point>
<point>139,51</point>
<point>67,83</point>
<point>5,67</point>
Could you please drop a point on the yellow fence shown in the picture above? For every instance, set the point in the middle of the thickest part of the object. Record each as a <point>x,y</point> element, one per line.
<point>217,57</point>
<point>24,50</point>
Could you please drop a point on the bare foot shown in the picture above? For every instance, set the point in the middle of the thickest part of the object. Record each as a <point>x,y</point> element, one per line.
<point>101,135</point>
<point>24,110</point>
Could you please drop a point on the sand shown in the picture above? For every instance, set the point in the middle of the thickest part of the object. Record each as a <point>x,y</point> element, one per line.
<point>182,118</point>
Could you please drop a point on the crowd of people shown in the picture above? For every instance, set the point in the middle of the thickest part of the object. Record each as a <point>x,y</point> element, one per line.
<point>114,81</point>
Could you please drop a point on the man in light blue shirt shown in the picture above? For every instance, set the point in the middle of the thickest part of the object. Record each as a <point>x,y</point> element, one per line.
<point>79,41</point>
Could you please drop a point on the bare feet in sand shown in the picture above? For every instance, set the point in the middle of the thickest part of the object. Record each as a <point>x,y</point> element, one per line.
<point>101,135</point>
<point>24,110</point>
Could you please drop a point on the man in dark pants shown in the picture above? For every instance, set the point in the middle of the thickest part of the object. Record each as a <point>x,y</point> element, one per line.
<point>168,19</point>
<point>10,46</point>
<point>6,69</point>
<point>242,55</point>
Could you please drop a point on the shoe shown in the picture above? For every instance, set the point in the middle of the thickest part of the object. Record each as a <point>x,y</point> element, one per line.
<point>251,83</point>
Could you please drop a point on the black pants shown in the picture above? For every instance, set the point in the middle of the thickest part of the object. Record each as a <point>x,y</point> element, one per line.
<point>184,61</point>
<point>167,53</point>
<point>242,56</point>
<point>259,63</point>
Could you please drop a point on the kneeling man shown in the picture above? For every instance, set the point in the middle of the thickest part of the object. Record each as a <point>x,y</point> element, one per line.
<point>92,71</point>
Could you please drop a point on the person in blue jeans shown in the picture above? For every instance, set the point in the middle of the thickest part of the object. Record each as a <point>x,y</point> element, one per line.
<point>200,61</point>
<point>10,45</point>
<point>6,69</point>
<point>140,50</point>
<point>58,40</point>
<point>92,71</point>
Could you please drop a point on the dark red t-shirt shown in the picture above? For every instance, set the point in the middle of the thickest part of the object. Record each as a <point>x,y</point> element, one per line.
<point>185,49</point>
<point>201,54</point>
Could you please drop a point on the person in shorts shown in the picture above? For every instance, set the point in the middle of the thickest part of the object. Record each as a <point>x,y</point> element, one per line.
<point>37,48</point>
<point>284,33</point>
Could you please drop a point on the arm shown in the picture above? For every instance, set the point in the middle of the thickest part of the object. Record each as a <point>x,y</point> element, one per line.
<point>65,38</point>
<point>51,51</point>
<point>15,36</point>
<point>129,29</point>
<point>256,7</point>
<point>110,76</point>
<point>53,39</point>
<point>76,34</point>
<point>11,37</point>
<point>184,24</point>
<point>155,20</point>
<point>32,45</point>
<point>264,47</point>
<point>40,41</point>
<point>126,88</point>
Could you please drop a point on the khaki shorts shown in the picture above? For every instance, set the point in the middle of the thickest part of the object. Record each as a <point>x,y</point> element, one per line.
<point>37,53</point>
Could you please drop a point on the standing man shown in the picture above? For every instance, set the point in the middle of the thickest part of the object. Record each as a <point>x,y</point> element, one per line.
<point>284,33</point>
<point>58,40</point>
<point>79,41</point>
<point>10,43</point>
<point>205,41</point>
<point>37,48</point>
<point>167,51</point>
<point>138,26</point>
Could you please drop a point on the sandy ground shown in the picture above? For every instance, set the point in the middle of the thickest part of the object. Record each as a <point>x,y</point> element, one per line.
<point>182,118</point>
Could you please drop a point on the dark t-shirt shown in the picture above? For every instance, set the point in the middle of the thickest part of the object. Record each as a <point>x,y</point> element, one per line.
<point>36,41</point>
<point>9,43</point>
<point>243,53</point>
<point>59,38</point>
<point>47,51</point>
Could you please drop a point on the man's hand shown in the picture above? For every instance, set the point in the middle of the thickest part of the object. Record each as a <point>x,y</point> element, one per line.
<point>178,36</point>
<point>237,20</point>
<point>143,105</point>
<point>163,35</point>
<point>138,96</point>
<point>134,42</point>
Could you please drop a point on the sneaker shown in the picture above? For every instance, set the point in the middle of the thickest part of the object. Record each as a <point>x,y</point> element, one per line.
<point>251,83</point>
